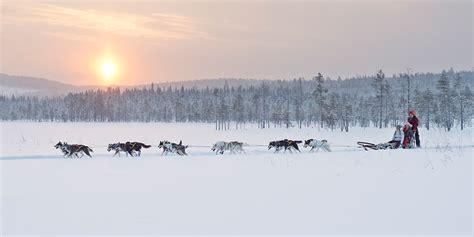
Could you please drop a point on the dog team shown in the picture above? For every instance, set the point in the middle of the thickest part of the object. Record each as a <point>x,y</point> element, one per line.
<point>134,148</point>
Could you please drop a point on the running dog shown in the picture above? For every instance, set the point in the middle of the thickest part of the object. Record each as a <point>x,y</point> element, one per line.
<point>132,148</point>
<point>317,144</point>
<point>286,144</point>
<point>170,147</point>
<point>118,147</point>
<point>64,148</point>
<point>233,146</point>
<point>167,147</point>
<point>70,150</point>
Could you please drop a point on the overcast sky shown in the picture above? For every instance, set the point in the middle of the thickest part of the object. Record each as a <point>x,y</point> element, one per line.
<point>156,41</point>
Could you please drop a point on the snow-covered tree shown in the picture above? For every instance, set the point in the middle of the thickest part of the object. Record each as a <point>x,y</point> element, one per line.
<point>319,95</point>
<point>381,87</point>
<point>445,101</point>
<point>333,103</point>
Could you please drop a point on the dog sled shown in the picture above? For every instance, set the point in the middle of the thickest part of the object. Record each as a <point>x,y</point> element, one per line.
<point>380,146</point>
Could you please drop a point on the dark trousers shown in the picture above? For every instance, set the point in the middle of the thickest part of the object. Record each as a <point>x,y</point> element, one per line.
<point>417,138</point>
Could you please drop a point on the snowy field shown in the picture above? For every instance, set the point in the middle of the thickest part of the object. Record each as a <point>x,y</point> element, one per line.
<point>349,191</point>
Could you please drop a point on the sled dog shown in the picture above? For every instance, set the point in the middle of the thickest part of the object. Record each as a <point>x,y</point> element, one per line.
<point>233,146</point>
<point>170,147</point>
<point>284,144</point>
<point>75,150</point>
<point>317,144</point>
<point>132,148</point>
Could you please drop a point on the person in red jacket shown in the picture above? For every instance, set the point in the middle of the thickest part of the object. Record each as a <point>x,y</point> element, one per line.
<point>413,121</point>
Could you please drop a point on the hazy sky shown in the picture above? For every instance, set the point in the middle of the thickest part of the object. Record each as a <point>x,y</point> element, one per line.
<point>181,40</point>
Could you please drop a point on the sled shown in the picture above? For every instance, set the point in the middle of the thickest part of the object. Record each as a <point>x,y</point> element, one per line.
<point>380,146</point>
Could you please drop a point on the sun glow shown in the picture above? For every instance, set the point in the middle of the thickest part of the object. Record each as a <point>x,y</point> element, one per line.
<point>109,69</point>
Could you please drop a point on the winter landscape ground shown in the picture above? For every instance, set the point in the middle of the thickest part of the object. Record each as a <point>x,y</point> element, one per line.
<point>349,191</point>
<point>93,73</point>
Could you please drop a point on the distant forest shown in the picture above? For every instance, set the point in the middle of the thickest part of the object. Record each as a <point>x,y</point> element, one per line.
<point>440,100</point>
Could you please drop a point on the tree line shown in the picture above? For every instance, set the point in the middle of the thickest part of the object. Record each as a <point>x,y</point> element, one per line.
<point>441,100</point>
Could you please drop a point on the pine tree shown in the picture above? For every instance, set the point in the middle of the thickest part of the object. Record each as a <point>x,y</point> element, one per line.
<point>331,117</point>
<point>319,96</point>
<point>446,102</point>
<point>462,97</point>
<point>427,102</point>
<point>381,88</point>
<point>408,79</point>
<point>298,102</point>
<point>238,110</point>
<point>465,101</point>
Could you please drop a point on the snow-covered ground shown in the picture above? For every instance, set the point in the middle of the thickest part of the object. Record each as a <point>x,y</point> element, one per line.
<point>349,191</point>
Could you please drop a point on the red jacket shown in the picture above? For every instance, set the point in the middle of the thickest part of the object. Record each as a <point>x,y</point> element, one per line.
<point>414,122</point>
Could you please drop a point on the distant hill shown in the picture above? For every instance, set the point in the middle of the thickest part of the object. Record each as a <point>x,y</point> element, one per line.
<point>22,85</point>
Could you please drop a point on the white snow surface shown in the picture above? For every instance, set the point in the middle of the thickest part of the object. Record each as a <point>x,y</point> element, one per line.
<point>349,191</point>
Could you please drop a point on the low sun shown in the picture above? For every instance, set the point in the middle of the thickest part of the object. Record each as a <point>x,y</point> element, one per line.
<point>109,69</point>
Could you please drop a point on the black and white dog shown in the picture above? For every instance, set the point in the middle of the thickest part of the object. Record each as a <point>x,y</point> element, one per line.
<point>119,147</point>
<point>64,148</point>
<point>170,147</point>
<point>286,144</point>
<point>132,148</point>
<point>233,146</point>
<point>70,150</point>
<point>135,147</point>
<point>317,144</point>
